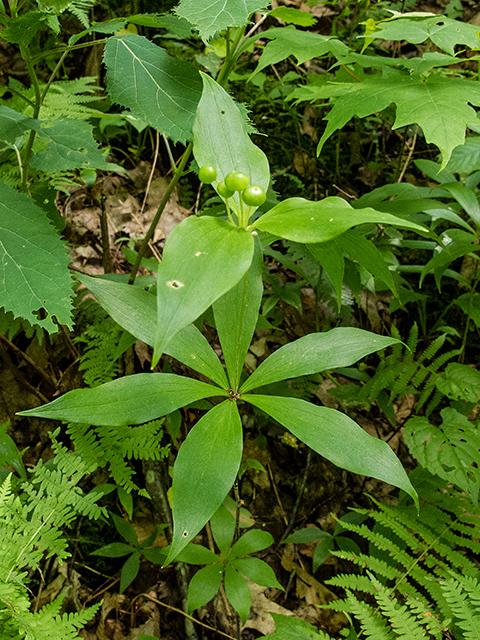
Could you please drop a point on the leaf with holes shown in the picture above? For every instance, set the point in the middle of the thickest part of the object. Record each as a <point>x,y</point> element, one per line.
<point>439,105</point>
<point>34,271</point>
<point>450,450</point>
<point>155,87</point>
<point>203,259</point>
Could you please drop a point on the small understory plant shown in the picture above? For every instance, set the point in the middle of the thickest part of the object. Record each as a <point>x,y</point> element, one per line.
<point>214,262</point>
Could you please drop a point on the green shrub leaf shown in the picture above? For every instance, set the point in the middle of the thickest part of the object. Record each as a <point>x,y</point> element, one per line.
<point>220,138</point>
<point>203,258</point>
<point>129,571</point>
<point>304,221</point>
<point>316,352</point>
<point>136,311</point>
<point>336,437</point>
<point>257,571</point>
<point>155,87</point>
<point>33,263</point>
<point>130,400</point>
<point>114,550</point>
<point>251,542</point>
<point>205,469</point>
<point>238,592</point>
<point>204,585</point>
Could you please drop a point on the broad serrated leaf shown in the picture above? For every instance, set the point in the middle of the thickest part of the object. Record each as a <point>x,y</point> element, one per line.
<point>304,45</point>
<point>450,450</point>
<point>34,271</point>
<point>22,29</point>
<point>213,16</point>
<point>220,138</point>
<point>236,316</point>
<point>305,221</point>
<point>444,32</point>
<point>130,400</point>
<point>203,258</point>
<point>439,105</point>
<point>316,352</point>
<point>336,437</point>
<point>136,311</point>
<point>461,382</point>
<point>155,87</point>
<point>204,472</point>
<point>466,157</point>
<point>14,124</point>
<point>71,145</point>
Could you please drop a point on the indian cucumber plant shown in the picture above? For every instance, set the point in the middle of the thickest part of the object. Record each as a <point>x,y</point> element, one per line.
<point>214,261</point>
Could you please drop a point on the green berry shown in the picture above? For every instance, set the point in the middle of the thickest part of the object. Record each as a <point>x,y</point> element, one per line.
<point>207,174</point>
<point>236,181</point>
<point>254,196</point>
<point>223,191</point>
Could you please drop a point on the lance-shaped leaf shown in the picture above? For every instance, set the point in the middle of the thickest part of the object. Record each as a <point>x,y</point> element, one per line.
<point>329,256</point>
<point>204,472</point>
<point>213,16</point>
<point>466,198</point>
<point>305,221</point>
<point>203,259</point>
<point>136,311</point>
<point>155,87</point>
<point>34,271</point>
<point>336,437</point>
<point>129,400</point>
<point>236,316</point>
<point>316,352</point>
<point>220,137</point>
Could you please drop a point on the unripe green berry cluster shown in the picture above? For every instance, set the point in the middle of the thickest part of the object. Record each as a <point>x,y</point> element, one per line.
<point>252,195</point>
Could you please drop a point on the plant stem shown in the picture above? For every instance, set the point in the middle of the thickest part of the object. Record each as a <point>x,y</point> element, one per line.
<point>25,53</point>
<point>173,183</point>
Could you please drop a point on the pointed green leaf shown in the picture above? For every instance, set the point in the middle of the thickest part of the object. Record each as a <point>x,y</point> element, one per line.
<point>34,271</point>
<point>214,16</point>
<point>220,138</point>
<point>9,453</point>
<point>367,255</point>
<point>304,221</point>
<point>203,258</point>
<point>125,529</point>
<point>336,437</point>
<point>136,311</point>
<point>222,524</point>
<point>257,571</point>
<point>292,628</point>
<point>196,554</point>
<point>71,145</point>
<point>305,536</point>
<point>466,198</point>
<point>251,542</point>
<point>204,472</point>
<point>204,585</point>
<point>129,400</point>
<point>236,316</point>
<point>330,256</point>
<point>237,592</point>
<point>316,352</point>
<point>155,87</point>
<point>129,571</point>
<point>322,551</point>
<point>14,124</point>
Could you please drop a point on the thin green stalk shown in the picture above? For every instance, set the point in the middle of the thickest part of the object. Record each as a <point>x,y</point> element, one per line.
<point>173,183</point>
<point>25,53</point>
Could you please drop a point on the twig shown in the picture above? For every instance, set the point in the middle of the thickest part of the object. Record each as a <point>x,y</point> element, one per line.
<point>167,606</point>
<point>21,354</point>
<point>410,153</point>
<point>272,480</point>
<point>299,497</point>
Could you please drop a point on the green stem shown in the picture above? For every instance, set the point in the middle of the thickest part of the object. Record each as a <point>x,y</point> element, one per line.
<point>25,53</point>
<point>173,183</point>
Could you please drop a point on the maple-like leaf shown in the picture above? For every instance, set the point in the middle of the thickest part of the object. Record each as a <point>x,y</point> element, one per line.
<point>439,105</point>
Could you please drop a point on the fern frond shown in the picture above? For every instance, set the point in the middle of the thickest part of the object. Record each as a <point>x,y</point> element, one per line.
<point>463,597</point>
